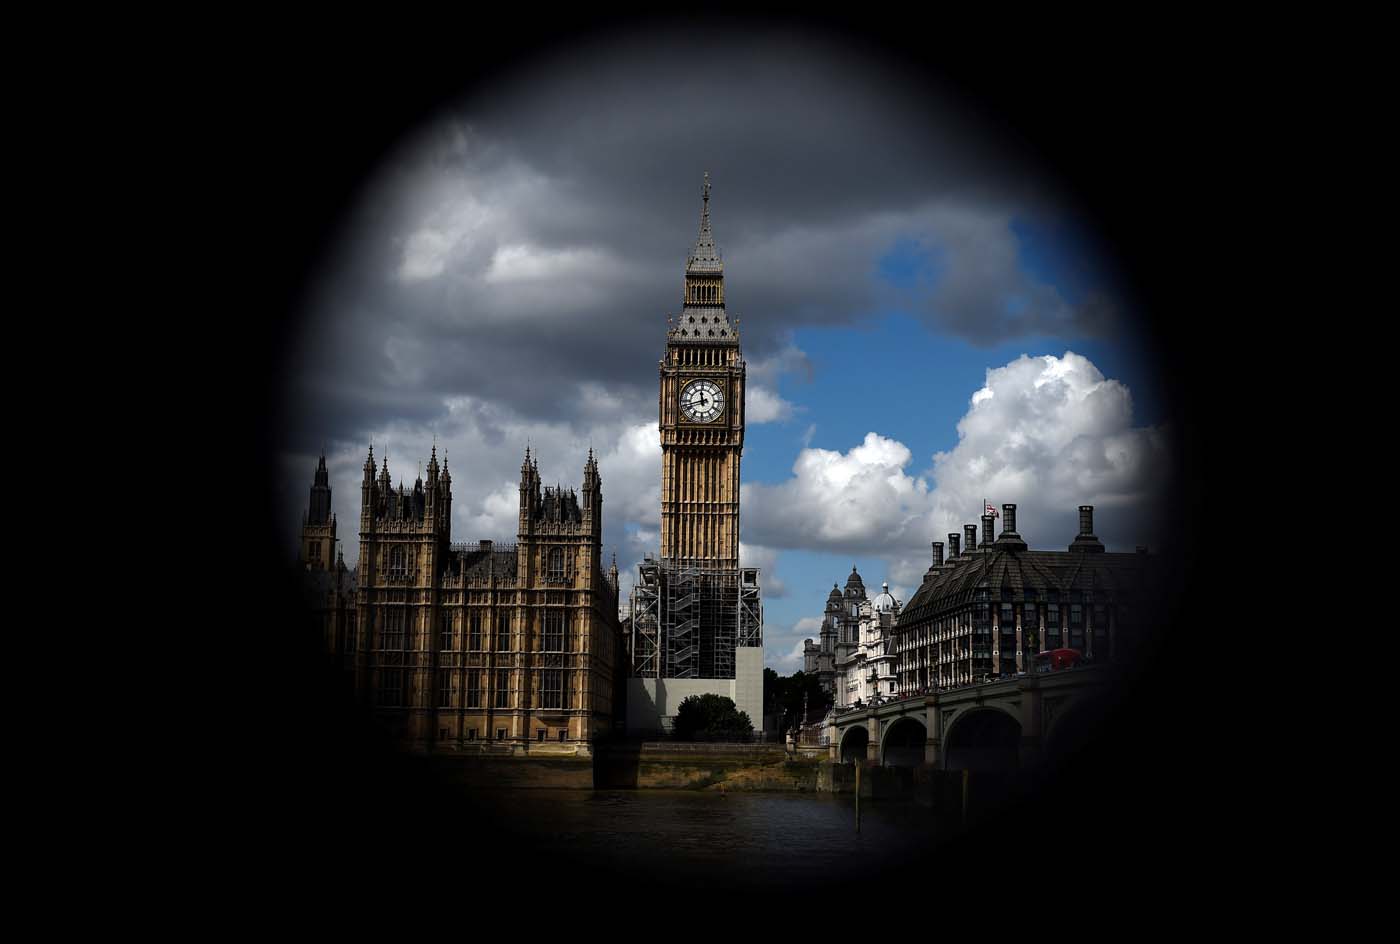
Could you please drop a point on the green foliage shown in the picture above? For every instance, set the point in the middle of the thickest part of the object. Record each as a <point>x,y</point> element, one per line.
<point>710,717</point>
<point>771,690</point>
<point>787,697</point>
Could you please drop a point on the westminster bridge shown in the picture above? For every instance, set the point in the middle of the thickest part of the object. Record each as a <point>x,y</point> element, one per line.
<point>1001,724</point>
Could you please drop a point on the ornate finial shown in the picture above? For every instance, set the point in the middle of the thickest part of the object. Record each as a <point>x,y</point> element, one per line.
<point>707,187</point>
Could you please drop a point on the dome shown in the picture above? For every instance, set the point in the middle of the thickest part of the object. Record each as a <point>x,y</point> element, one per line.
<point>885,603</point>
<point>835,593</point>
<point>854,581</point>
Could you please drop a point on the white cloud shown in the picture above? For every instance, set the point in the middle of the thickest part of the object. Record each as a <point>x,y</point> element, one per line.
<point>764,406</point>
<point>484,444</point>
<point>783,647</point>
<point>766,560</point>
<point>838,501</point>
<point>1047,433</point>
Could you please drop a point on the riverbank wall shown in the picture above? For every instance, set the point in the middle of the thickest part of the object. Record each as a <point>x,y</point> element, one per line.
<point>672,765</point>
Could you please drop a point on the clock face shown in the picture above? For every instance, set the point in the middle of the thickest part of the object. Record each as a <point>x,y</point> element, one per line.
<point>702,401</point>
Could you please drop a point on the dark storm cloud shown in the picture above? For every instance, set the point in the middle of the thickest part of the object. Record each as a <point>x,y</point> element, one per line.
<point>532,239</point>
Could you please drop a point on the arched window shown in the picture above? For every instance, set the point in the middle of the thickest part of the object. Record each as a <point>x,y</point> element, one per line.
<point>398,562</point>
<point>556,564</point>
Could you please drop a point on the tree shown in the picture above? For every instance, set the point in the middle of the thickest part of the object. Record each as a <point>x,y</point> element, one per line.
<point>772,691</point>
<point>788,694</point>
<point>710,717</point>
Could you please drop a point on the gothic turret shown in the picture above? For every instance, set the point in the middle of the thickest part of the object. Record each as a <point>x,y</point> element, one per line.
<point>318,524</point>
<point>530,498</point>
<point>320,509</point>
<point>592,496</point>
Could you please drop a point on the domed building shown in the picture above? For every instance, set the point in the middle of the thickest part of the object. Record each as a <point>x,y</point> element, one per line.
<point>853,660</point>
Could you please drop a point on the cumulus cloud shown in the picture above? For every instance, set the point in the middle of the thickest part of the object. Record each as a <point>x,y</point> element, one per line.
<point>1047,433</point>
<point>763,406</point>
<point>783,645</point>
<point>852,501</point>
<point>510,246</point>
<point>484,445</point>
<point>766,560</point>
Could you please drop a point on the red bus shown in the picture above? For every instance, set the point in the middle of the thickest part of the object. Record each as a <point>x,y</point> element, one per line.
<point>1056,659</point>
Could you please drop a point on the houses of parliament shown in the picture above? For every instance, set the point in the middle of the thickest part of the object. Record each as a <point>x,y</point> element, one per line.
<point>517,647</point>
<point>511,647</point>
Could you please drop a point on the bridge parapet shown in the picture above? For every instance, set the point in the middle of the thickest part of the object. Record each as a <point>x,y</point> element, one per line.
<point>1033,701</point>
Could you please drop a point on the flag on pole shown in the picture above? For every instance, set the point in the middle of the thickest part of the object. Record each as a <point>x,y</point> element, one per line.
<point>991,509</point>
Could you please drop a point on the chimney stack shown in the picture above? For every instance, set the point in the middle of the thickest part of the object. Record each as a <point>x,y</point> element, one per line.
<point>986,531</point>
<point>1085,540</point>
<point>938,553</point>
<point>1008,539</point>
<point>970,532</point>
<point>953,540</point>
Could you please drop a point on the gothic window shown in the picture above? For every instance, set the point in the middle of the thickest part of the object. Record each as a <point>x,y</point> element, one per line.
<point>553,688</point>
<point>502,689</point>
<point>556,562</point>
<point>474,688</point>
<point>398,562</point>
<point>502,632</point>
<point>447,630</point>
<point>474,639</point>
<point>391,687</point>
<point>553,631</point>
<point>445,689</point>
<point>393,634</point>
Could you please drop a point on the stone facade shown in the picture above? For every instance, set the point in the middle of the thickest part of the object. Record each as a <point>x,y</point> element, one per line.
<point>486,647</point>
<point>695,615</point>
<point>853,660</point>
<point>991,608</point>
<point>328,586</point>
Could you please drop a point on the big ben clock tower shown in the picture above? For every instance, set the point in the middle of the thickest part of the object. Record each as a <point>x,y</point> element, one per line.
<point>702,417</point>
<point>697,616</point>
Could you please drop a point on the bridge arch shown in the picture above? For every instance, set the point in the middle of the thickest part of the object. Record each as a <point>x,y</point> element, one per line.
<point>986,737</point>
<point>903,742</point>
<point>855,743</point>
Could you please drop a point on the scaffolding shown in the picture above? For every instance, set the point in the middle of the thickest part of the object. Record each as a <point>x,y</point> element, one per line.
<point>688,618</point>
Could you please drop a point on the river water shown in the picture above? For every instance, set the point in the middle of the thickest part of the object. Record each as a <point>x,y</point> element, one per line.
<point>746,840</point>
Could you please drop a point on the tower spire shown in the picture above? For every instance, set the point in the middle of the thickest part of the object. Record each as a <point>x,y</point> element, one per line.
<point>704,256</point>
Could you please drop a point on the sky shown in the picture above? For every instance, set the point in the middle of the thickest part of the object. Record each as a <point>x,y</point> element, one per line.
<point>927,322</point>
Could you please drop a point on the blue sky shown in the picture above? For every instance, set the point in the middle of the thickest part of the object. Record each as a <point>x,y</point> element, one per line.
<point>892,375</point>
